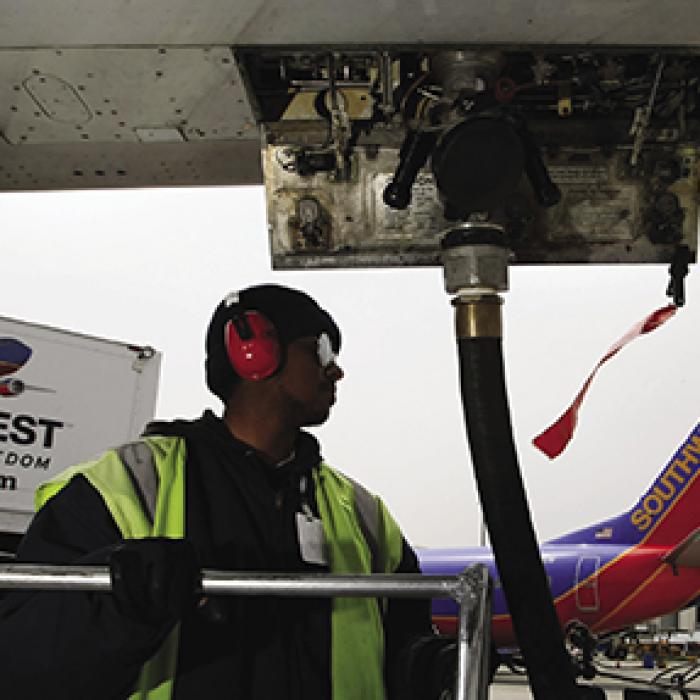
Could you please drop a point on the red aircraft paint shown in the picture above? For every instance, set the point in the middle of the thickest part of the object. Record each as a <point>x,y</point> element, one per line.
<point>641,564</point>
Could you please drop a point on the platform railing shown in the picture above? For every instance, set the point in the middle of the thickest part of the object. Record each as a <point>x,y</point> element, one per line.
<point>471,590</point>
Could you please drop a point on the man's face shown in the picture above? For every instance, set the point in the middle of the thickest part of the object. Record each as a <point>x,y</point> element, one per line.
<point>307,386</point>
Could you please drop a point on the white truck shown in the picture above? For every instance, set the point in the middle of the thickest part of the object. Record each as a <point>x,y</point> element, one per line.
<point>64,398</point>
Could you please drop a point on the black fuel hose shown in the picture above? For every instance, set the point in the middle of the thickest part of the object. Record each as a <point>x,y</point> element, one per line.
<point>507,517</point>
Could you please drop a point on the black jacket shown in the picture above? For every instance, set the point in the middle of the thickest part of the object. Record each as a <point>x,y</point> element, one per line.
<point>240,516</point>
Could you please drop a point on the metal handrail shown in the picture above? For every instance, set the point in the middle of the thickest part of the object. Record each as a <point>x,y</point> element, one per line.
<point>471,590</point>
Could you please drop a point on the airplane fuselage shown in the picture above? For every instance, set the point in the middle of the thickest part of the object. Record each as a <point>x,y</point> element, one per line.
<point>606,587</point>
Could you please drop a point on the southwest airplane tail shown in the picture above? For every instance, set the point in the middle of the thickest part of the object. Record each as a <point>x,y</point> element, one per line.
<point>665,515</point>
<point>615,573</point>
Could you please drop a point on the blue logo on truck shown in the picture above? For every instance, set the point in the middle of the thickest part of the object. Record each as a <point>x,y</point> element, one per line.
<point>14,354</point>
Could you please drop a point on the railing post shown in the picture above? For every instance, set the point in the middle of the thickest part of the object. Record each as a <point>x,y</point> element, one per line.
<point>473,595</point>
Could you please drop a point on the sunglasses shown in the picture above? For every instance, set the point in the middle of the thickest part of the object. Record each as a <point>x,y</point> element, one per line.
<point>326,355</point>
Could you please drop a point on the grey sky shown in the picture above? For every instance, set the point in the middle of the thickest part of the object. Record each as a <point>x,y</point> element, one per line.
<point>148,266</point>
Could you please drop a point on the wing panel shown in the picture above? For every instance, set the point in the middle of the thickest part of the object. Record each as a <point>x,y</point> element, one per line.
<point>261,22</point>
<point>117,94</point>
<point>56,166</point>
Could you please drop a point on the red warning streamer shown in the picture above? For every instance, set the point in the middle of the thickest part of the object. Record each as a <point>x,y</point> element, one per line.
<point>554,439</point>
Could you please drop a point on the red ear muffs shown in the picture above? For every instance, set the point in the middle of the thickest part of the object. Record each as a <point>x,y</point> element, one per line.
<point>252,345</point>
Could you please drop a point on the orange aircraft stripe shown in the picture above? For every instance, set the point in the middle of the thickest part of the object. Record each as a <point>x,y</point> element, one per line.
<point>633,548</point>
<point>630,597</point>
<point>598,572</point>
<point>673,505</point>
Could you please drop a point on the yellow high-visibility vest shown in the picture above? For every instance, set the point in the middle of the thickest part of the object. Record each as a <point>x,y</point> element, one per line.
<point>354,547</point>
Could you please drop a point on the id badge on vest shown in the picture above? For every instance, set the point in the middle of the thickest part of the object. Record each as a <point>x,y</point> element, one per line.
<point>312,543</point>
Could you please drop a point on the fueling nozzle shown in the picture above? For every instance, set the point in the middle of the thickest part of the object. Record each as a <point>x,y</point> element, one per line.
<point>475,259</point>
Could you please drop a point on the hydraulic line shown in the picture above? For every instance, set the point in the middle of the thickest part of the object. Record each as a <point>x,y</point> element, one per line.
<point>503,498</point>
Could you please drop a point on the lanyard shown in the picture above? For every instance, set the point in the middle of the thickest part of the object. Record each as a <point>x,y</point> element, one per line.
<point>303,487</point>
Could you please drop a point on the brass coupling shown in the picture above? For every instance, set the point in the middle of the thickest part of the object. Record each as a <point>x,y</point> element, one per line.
<point>478,316</point>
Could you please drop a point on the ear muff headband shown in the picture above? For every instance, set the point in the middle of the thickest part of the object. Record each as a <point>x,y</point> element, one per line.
<point>252,345</point>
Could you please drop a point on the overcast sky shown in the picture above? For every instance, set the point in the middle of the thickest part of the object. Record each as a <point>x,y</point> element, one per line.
<point>149,266</point>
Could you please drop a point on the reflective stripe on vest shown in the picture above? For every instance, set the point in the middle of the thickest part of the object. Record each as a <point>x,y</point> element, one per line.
<point>357,632</point>
<point>350,523</point>
<point>115,485</point>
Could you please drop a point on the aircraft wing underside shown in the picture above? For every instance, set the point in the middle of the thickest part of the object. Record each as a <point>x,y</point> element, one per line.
<point>104,93</point>
<point>319,100</point>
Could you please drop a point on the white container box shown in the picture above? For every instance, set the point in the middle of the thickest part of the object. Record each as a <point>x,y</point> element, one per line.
<point>64,399</point>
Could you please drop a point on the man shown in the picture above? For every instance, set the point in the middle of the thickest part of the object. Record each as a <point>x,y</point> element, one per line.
<point>247,492</point>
